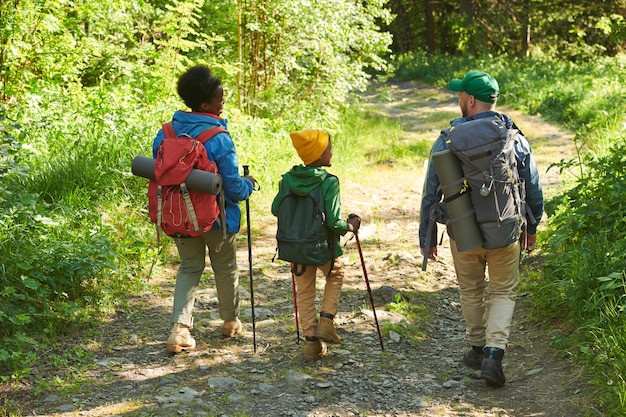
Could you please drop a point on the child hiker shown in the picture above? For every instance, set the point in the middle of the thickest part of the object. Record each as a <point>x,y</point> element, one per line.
<point>203,94</point>
<point>314,148</point>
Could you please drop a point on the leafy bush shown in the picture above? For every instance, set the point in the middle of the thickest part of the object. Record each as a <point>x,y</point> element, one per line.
<point>595,204</point>
<point>583,283</point>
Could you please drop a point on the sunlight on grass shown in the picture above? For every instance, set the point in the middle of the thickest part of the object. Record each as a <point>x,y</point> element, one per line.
<point>415,315</point>
<point>76,219</point>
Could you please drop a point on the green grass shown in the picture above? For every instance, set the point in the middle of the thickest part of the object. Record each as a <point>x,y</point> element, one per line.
<point>75,239</point>
<point>415,313</point>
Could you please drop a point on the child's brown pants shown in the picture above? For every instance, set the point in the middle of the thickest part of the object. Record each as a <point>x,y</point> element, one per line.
<point>305,285</point>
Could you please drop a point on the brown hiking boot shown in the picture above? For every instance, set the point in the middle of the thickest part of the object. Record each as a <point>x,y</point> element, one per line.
<point>231,327</point>
<point>180,339</point>
<point>326,330</point>
<point>314,349</point>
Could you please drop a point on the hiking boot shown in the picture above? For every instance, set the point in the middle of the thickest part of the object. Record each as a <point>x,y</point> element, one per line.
<point>180,339</point>
<point>314,349</point>
<point>231,327</point>
<point>491,369</point>
<point>474,357</point>
<point>326,329</point>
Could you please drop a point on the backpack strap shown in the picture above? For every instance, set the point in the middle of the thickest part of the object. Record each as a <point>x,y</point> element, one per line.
<point>190,210</point>
<point>203,137</point>
<point>208,134</point>
<point>159,230</point>
<point>298,269</point>
<point>168,130</point>
<point>331,234</point>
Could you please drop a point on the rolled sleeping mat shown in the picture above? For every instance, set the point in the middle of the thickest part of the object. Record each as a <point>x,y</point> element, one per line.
<point>198,180</point>
<point>465,230</point>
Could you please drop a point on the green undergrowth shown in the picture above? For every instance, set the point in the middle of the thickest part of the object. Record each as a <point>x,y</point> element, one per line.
<point>583,285</point>
<point>75,240</point>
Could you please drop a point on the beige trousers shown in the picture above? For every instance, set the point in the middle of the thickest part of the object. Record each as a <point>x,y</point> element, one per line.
<point>306,291</point>
<point>487,315</point>
<point>192,252</point>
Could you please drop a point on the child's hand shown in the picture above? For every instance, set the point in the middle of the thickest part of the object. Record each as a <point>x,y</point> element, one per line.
<point>354,221</point>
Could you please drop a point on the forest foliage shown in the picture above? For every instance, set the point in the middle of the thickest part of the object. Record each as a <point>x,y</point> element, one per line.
<point>85,84</point>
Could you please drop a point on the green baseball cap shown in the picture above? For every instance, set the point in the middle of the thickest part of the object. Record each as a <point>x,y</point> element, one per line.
<point>478,84</point>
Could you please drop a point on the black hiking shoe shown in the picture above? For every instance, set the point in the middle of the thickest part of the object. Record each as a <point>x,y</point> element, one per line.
<point>491,369</point>
<point>474,357</point>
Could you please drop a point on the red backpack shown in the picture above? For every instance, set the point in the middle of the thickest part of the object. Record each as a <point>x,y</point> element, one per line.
<point>179,211</point>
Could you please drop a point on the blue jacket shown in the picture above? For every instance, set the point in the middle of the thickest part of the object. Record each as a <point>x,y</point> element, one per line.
<point>526,167</point>
<point>221,150</point>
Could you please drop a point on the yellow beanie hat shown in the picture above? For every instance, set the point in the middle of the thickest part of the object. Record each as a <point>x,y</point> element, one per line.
<point>310,144</point>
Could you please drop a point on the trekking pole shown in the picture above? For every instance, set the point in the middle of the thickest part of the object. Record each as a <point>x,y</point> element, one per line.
<point>247,172</point>
<point>295,305</point>
<point>369,290</point>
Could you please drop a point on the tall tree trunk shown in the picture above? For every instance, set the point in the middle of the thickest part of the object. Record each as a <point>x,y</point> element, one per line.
<point>402,36</point>
<point>467,18</point>
<point>525,20</point>
<point>467,9</point>
<point>239,51</point>
<point>431,39</point>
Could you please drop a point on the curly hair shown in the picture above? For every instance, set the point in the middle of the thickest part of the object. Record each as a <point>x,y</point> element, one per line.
<point>196,86</point>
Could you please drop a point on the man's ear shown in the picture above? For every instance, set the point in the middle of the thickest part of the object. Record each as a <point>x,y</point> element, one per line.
<point>204,107</point>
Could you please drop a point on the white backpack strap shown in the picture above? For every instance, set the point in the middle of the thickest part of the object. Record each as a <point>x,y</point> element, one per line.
<point>190,211</point>
<point>159,196</point>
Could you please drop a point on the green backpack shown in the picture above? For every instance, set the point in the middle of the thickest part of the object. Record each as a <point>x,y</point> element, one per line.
<point>302,236</point>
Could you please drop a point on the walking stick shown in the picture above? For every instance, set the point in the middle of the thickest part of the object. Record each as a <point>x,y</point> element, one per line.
<point>295,305</point>
<point>247,172</point>
<point>369,290</point>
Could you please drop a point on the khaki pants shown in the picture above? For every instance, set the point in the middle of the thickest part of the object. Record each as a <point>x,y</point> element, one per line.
<point>487,316</point>
<point>305,285</point>
<point>192,252</point>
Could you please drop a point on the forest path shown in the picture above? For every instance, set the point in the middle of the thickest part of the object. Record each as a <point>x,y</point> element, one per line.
<point>419,373</point>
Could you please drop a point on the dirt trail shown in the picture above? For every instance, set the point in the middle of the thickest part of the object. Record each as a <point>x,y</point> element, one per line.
<point>131,374</point>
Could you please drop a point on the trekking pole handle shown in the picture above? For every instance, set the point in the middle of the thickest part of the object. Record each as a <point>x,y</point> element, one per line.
<point>352,216</point>
<point>246,172</point>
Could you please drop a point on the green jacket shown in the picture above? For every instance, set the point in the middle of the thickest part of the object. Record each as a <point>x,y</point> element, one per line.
<point>302,179</point>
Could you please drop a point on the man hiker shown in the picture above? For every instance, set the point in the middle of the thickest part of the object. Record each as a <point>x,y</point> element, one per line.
<point>504,234</point>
